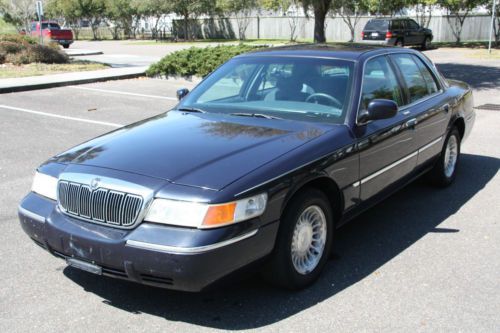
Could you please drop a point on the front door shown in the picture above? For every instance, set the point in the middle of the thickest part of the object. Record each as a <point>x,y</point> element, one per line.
<point>387,147</point>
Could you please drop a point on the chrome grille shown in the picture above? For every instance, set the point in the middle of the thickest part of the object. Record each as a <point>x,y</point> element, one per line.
<point>100,205</point>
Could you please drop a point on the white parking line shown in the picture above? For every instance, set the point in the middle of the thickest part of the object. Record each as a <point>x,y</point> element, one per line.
<point>60,117</point>
<point>123,93</point>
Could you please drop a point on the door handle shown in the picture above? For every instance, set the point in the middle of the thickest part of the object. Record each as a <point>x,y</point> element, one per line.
<point>446,108</point>
<point>411,123</point>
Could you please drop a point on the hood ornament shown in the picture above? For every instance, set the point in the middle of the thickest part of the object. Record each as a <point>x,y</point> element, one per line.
<point>94,183</point>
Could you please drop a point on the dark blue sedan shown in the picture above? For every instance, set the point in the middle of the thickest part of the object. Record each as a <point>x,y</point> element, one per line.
<point>261,162</point>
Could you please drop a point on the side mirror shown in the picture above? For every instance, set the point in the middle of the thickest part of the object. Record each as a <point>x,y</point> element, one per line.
<point>181,93</point>
<point>378,109</point>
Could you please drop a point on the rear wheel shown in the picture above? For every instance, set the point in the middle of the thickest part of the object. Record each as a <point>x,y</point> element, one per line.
<point>303,243</point>
<point>66,46</point>
<point>445,170</point>
<point>399,43</point>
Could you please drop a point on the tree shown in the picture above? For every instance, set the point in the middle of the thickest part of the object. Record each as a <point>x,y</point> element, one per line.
<point>387,7</point>
<point>350,11</point>
<point>155,9</point>
<point>19,13</point>
<point>289,8</point>
<point>320,8</point>
<point>423,11</point>
<point>191,10</point>
<point>241,10</point>
<point>457,12</point>
<point>120,15</point>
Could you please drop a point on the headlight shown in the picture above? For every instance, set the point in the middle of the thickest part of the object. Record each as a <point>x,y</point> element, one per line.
<point>45,185</point>
<point>198,215</point>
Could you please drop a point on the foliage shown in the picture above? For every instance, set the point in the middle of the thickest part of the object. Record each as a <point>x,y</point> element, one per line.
<point>290,9</point>
<point>19,13</point>
<point>241,10</point>
<point>458,10</point>
<point>192,10</point>
<point>350,11</point>
<point>320,9</point>
<point>19,50</point>
<point>197,61</point>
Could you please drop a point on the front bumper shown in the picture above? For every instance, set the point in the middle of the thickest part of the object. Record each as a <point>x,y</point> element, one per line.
<point>152,254</point>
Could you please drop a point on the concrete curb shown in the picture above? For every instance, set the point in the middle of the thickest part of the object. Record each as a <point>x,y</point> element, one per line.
<point>80,53</point>
<point>68,79</point>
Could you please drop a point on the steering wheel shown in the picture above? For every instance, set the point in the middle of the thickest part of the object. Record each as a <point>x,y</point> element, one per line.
<point>316,97</point>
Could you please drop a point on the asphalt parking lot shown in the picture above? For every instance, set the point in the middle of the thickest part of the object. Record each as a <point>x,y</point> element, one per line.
<point>423,260</point>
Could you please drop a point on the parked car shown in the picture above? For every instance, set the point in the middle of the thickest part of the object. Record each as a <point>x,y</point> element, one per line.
<point>397,32</point>
<point>52,31</point>
<point>264,159</point>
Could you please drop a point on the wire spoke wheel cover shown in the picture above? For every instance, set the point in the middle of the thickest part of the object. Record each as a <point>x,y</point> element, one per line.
<point>308,240</point>
<point>450,156</point>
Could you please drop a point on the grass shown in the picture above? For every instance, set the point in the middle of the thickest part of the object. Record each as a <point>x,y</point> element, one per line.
<point>6,28</point>
<point>468,44</point>
<point>483,54</point>
<point>12,71</point>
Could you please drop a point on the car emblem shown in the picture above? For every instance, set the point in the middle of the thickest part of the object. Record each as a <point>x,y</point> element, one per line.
<point>95,183</point>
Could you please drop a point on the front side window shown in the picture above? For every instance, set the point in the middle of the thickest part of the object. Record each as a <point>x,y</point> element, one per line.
<point>379,82</point>
<point>412,25</point>
<point>297,88</point>
<point>415,81</point>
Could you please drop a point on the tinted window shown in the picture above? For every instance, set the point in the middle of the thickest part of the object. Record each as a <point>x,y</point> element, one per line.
<point>396,25</point>
<point>287,87</point>
<point>432,86</point>
<point>377,25</point>
<point>412,25</point>
<point>379,82</point>
<point>52,26</point>
<point>414,79</point>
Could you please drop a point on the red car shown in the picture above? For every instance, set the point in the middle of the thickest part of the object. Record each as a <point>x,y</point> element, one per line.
<point>52,31</point>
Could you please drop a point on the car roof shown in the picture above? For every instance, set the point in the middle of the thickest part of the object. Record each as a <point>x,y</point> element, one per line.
<point>389,18</point>
<point>347,51</point>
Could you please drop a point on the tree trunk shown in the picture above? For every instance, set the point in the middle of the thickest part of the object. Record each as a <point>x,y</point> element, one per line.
<point>320,10</point>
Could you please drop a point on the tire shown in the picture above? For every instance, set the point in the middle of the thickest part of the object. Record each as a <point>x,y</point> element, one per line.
<point>399,43</point>
<point>66,46</point>
<point>444,173</point>
<point>285,269</point>
<point>426,43</point>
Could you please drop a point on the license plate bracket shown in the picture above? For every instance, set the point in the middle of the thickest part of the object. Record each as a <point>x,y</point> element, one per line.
<point>84,266</point>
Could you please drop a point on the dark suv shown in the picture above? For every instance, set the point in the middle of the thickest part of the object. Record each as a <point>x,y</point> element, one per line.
<point>396,31</point>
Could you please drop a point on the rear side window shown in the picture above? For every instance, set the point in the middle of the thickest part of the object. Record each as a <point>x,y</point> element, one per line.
<point>415,81</point>
<point>432,86</point>
<point>378,25</point>
<point>379,82</point>
<point>397,25</point>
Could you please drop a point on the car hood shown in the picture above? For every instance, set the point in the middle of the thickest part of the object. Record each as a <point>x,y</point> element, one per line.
<point>202,150</point>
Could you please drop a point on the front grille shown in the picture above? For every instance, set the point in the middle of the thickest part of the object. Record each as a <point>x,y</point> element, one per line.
<point>100,205</point>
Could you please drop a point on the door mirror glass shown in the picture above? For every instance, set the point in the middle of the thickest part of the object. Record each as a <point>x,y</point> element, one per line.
<point>181,93</point>
<point>379,109</point>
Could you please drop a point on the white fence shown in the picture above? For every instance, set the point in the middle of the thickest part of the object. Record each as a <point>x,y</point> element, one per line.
<point>476,28</point>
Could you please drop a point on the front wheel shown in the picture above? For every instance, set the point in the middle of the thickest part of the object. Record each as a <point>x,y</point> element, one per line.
<point>303,243</point>
<point>445,170</point>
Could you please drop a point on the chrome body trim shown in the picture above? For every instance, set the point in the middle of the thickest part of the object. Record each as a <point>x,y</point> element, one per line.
<point>188,250</point>
<point>31,215</point>
<point>390,166</point>
<point>427,146</point>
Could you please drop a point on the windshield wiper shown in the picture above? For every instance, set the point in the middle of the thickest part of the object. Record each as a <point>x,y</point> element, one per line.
<point>196,110</point>
<point>256,115</point>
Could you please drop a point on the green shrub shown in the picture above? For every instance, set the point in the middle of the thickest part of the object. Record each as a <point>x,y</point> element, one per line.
<point>19,50</point>
<point>197,61</point>
<point>21,39</point>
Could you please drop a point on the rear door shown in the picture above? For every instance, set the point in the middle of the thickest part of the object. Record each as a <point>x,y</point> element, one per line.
<point>387,147</point>
<point>426,103</point>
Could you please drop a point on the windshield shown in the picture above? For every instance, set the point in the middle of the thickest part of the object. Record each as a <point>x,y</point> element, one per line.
<point>283,87</point>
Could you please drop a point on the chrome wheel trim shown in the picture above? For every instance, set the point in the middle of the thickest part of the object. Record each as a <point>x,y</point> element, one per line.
<point>450,156</point>
<point>309,239</point>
